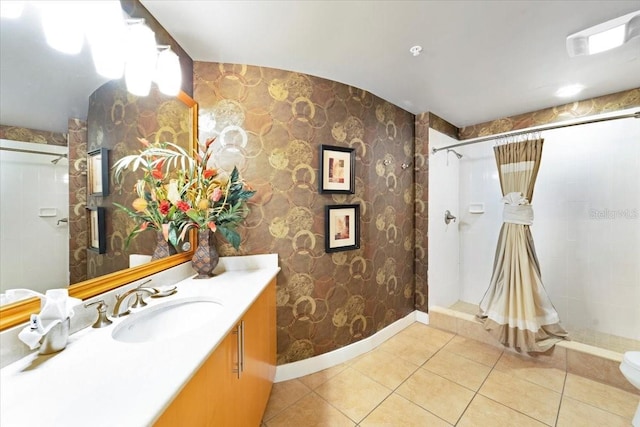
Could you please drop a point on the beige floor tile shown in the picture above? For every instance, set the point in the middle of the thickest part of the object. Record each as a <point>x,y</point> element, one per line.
<point>310,411</point>
<point>408,348</point>
<point>438,395</point>
<point>575,413</point>
<point>385,368</point>
<point>283,395</point>
<point>602,396</point>
<point>353,393</point>
<point>431,336</point>
<point>314,380</point>
<point>531,399</point>
<point>459,369</point>
<point>531,370</point>
<point>474,350</point>
<point>485,412</point>
<point>397,411</point>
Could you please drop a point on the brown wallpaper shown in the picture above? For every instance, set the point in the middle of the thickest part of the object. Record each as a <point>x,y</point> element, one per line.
<point>78,236</point>
<point>325,301</point>
<point>15,133</point>
<point>421,260</point>
<point>614,102</point>
<point>116,120</point>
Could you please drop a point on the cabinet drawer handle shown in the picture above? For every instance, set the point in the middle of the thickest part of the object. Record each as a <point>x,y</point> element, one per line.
<point>240,348</point>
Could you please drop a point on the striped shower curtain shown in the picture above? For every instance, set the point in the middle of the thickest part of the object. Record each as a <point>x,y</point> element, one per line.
<point>516,309</point>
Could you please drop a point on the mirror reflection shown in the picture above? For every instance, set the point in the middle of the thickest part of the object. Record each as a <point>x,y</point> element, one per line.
<point>45,97</point>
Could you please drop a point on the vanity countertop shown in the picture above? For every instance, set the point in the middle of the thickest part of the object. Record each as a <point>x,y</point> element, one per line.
<point>99,381</point>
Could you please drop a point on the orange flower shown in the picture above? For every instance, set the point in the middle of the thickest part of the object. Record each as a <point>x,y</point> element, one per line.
<point>208,173</point>
<point>144,226</point>
<point>212,226</point>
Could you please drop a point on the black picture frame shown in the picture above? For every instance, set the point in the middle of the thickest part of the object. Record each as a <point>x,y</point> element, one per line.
<point>342,228</point>
<point>337,170</point>
<point>97,227</point>
<point>98,172</point>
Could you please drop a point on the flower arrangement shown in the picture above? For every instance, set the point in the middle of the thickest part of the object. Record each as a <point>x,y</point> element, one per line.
<point>179,191</point>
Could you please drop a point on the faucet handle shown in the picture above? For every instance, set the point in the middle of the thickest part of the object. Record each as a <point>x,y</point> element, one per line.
<point>102,320</point>
<point>139,302</point>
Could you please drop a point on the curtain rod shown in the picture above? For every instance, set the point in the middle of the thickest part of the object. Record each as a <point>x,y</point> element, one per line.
<point>18,150</point>
<point>537,129</point>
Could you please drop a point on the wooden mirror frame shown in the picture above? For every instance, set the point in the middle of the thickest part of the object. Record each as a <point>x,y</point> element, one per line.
<point>18,312</point>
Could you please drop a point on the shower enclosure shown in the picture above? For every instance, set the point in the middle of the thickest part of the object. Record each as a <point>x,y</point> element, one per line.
<point>586,228</point>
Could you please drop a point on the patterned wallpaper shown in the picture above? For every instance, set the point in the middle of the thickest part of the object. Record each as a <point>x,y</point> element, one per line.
<point>272,123</point>
<point>15,133</point>
<point>78,236</point>
<point>613,102</point>
<point>115,120</point>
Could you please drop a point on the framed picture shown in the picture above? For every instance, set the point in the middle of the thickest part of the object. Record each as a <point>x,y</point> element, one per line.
<point>97,230</point>
<point>337,169</point>
<point>342,227</point>
<point>98,172</point>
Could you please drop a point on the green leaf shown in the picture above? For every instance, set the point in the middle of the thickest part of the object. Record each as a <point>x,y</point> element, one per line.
<point>231,235</point>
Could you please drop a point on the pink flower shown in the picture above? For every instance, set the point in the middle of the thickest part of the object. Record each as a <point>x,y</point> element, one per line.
<point>212,226</point>
<point>216,195</point>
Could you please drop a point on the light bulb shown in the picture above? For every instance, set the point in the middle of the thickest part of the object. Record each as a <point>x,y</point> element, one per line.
<point>63,24</point>
<point>141,59</point>
<point>106,33</point>
<point>11,9</point>
<point>168,73</point>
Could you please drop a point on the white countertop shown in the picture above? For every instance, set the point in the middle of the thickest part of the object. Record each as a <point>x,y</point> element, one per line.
<point>99,381</point>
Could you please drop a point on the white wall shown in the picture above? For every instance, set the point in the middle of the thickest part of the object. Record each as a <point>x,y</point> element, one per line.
<point>34,249</point>
<point>443,274</point>
<point>586,227</point>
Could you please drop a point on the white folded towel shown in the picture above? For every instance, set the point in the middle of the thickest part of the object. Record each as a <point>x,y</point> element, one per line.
<point>56,306</point>
<point>517,209</point>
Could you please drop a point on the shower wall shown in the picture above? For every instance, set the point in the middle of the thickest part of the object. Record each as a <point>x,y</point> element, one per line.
<point>34,198</point>
<point>586,227</point>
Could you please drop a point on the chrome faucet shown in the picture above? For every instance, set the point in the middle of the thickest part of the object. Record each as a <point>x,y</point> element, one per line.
<point>139,302</point>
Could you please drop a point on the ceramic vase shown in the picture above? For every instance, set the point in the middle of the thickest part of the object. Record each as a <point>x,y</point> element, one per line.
<point>205,257</point>
<point>163,248</point>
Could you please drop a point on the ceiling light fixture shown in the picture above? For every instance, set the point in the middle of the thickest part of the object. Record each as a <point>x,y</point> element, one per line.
<point>569,90</point>
<point>605,36</point>
<point>415,50</point>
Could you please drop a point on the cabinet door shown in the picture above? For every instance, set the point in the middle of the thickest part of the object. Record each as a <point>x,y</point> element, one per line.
<point>217,396</point>
<point>259,324</point>
<point>202,401</point>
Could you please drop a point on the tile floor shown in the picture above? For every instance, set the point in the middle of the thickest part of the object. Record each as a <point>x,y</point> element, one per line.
<point>424,376</point>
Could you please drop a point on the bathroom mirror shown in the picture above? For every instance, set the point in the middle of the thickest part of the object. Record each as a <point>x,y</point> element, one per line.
<point>38,78</point>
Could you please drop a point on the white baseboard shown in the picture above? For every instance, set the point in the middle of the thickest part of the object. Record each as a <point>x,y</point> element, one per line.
<point>314,364</point>
<point>422,317</point>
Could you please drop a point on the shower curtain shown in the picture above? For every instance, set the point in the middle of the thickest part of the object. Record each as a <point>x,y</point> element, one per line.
<point>516,308</point>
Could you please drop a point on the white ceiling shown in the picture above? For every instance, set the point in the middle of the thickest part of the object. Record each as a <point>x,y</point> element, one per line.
<point>482,60</point>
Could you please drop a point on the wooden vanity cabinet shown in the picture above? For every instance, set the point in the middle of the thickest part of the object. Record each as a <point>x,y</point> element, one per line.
<point>218,395</point>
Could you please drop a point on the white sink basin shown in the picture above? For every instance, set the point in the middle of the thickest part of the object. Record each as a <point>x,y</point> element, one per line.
<point>167,320</point>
